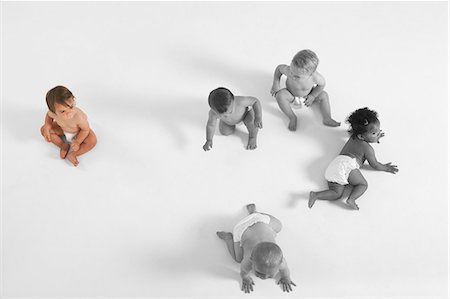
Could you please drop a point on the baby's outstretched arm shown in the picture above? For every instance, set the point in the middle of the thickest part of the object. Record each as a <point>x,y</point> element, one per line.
<point>285,279</point>
<point>373,162</point>
<point>210,129</point>
<point>247,281</point>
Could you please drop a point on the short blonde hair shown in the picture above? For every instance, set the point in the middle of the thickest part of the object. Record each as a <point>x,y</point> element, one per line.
<point>306,59</point>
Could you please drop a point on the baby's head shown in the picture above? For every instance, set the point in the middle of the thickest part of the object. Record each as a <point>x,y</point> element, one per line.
<point>220,100</point>
<point>61,101</point>
<point>266,259</point>
<point>305,62</point>
<point>364,125</point>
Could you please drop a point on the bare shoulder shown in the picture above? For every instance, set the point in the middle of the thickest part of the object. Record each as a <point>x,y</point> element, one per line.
<point>51,114</point>
<point>318,78</point>
<point>284,69</point>
<point>245,101</point>
<point>213,114</point>
<point>81,117</point>
<point>368,149</point>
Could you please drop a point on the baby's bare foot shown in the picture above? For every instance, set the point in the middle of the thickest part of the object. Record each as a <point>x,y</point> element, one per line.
<point>331,123</point>
<point>312,199</point>
<point>63,151</point>
<point>224,235</point>
<point>72,158</point>
<point>292,124</point>
<point>352,204</point>
<point>251,143</point>
<point>251,208</point>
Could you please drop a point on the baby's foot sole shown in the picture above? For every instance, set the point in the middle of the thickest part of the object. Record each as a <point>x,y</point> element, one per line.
<point>224,235</point>
<point>292,124</point>
<point>312,199</point>
<point>331,123</point>
<point>352,204</point>
<point>251,208</point>
<point>72,158</point>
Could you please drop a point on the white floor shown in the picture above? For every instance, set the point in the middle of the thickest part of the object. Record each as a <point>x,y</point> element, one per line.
<point>138,217</point>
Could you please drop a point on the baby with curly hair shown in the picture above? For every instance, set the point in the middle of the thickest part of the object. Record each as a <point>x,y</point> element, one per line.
<point>344,169</point>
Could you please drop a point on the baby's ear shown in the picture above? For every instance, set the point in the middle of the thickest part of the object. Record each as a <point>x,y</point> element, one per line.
<point>360,137</point>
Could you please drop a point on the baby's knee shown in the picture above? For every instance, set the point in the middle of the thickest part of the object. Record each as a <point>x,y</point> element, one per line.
<point>226,130</point>
<point>284,96</point>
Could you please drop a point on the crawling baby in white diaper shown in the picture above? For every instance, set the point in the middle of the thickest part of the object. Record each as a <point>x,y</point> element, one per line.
<point>252,244</point>
<point>344,169</point>
<point>67,126</point>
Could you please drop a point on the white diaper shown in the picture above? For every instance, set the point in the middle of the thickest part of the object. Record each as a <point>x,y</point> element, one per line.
<point>245,223</point>
<point>297,103</point>
<point>340,168</point>
<point>70,137</point>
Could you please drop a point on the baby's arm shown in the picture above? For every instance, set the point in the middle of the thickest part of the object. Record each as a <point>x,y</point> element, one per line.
<point>247,281</point>
<point>282,69</point>
<point>82,134</point>
<point>210,129</point>
<point>285,279</point>
<point>47,126</point>
<point>320,81</point>
<point>256,104</point>
<point>373,162</point>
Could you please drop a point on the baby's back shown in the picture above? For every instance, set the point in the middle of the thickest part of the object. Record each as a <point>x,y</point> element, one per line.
<point>257,233</point>
<point>354,148</point>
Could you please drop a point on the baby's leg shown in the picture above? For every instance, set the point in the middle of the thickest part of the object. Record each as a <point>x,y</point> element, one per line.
<point>225,129</point>
<point>85,146</point>
<point>335,192</point>
<point>284,99</point>
<point>249,122</point>
<point>233,247</point>
<point>55,133</point>
<point>359,184</point>
<point>324,102</point>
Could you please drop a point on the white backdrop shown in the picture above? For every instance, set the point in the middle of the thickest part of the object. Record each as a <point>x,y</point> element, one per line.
<point>138,216</point>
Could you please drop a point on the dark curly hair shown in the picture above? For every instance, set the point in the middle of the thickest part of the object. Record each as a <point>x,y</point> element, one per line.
<point>359,121</point>
<point>220,99</point>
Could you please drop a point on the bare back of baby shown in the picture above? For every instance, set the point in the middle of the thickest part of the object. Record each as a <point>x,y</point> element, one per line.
<point>257,233</point>
<point>354,148</point>
<point>238,111</point>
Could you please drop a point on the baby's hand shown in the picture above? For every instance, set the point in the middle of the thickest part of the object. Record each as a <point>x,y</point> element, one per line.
<point>275,88</point>
<point>309,100</point>
<point>75,146</point>
<point>391,168</point>
<point>258,123</point>
<point>379,137</point>
<point>247,285</point>
<point>208,145</point>
<point>286,284</point>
